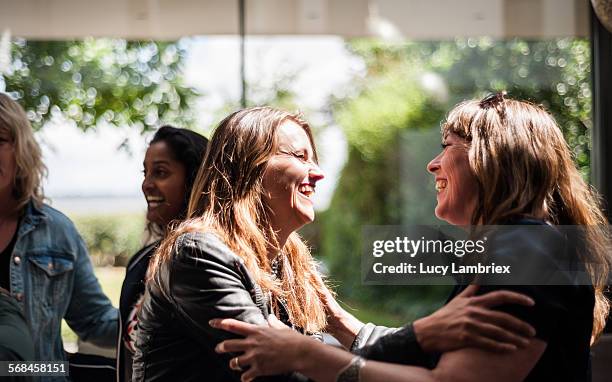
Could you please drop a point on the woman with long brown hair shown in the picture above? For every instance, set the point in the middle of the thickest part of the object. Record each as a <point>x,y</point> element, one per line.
<point>504,162</point>
<point>238,254</point>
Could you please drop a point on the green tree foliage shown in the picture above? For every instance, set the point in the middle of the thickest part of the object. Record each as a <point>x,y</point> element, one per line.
<point>392,128</point>
<point>93,80</point>
<point>555,73</point>
<point>372,120</point>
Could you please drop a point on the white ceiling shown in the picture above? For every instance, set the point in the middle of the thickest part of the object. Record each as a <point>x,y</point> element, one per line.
<point>415,19</point>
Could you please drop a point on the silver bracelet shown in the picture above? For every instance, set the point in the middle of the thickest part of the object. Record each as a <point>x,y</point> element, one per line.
<point>350,373</point>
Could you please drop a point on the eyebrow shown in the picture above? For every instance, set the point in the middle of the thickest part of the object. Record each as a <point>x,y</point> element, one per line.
<point>157,162</point>
<point>295,148</point>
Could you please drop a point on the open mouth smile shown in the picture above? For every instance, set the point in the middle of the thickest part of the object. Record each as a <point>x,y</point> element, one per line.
<point>155,201</point>
<point>306,189</point>
<point>441,184</point>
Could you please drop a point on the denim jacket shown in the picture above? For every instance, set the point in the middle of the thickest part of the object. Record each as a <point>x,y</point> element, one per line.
<point>52,278</point>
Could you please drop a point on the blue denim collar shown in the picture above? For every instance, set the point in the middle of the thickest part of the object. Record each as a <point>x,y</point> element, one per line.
<point>31,218</point>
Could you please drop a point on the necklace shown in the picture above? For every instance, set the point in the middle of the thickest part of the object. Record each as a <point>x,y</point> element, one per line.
<point>283,308</point>
<point>275,265</point>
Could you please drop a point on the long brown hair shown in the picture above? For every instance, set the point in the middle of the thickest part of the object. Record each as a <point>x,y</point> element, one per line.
<point>524,166</point>
<point>228,199</point>
<point>28,157</point>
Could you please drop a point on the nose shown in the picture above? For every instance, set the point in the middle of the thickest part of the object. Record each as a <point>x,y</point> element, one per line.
<point>315,173</point>
<point>147,185</point>
<point>434,165</point>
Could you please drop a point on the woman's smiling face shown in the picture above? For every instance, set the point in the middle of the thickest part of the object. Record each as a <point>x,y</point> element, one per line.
<point>290,179</point>
<point>456,185</point>
<point>163,185</point>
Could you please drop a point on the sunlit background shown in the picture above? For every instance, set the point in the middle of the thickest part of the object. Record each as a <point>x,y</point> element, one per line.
<point>374,79</point>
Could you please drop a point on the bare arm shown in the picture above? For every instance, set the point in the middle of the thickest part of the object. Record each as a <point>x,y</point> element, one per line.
<point>274,350</point>
<point>477,365</point>
<point>462,365</point>
<point>323,363</point>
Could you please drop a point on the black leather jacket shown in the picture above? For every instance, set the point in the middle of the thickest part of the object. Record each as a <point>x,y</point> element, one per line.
<point>204,280</point>
<point>131,290</point>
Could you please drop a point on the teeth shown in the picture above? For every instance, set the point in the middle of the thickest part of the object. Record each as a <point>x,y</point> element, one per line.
<point>306,189</point>
<point>155,199</point>
<point>440,185</point>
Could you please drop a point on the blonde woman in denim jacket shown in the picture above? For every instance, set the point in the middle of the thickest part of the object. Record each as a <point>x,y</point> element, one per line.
<point>43,260</point>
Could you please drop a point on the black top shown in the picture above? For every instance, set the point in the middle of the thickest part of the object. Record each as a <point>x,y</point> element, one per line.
<point>562,316</point>
<point>131,292</point>
<point>394,345</point>
<point>5,263</point>
<point>15,338</point>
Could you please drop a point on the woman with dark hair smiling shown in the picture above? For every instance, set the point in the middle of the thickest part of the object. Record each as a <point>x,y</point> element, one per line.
<point>170,167</point>
<point>504,162</point>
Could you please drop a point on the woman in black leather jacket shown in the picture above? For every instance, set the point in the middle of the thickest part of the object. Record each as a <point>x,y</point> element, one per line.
<point>170,167</point>
<point>238,256</point>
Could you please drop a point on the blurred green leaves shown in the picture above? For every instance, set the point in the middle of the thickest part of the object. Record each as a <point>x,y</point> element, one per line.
<point>555,73</point>
<point>372,120</point>
<point>93,80</point>
<point>392,127</point>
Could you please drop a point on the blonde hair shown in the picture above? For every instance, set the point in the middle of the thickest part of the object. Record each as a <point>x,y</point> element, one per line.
<point>524,167</point>
<point>30,169</point>
<point>228,199</point>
